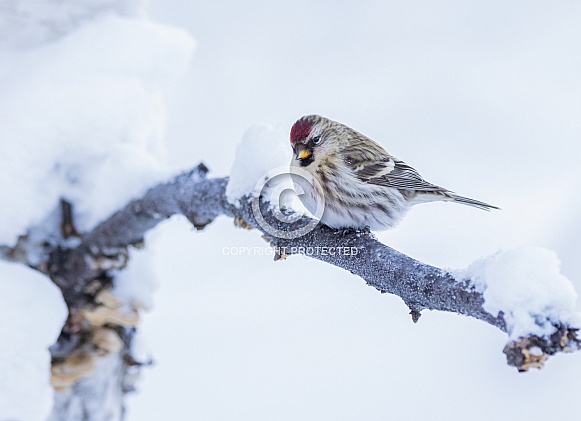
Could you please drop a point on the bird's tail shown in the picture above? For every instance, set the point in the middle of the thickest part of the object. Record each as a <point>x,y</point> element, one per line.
<point>467,201</point>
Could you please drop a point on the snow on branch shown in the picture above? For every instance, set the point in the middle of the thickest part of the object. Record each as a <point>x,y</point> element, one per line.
<point>81,271</point>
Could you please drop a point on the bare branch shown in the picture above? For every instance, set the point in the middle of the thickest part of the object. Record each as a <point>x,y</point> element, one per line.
<point>201,200</point>
<point>82,271</point>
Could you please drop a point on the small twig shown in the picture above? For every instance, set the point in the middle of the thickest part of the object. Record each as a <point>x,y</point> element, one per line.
<point>68,229</point>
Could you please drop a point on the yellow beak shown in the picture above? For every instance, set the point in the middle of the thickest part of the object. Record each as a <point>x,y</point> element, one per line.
<point>303,153</point>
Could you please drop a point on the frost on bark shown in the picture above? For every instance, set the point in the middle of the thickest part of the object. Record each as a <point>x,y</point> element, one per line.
<point>92,363</point>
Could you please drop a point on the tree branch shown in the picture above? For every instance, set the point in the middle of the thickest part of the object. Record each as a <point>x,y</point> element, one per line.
<point>98,335</point>
<point>201,200</point>
<point>82,266</point>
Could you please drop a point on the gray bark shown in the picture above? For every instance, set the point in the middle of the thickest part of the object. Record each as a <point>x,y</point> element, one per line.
<point>80,265</point>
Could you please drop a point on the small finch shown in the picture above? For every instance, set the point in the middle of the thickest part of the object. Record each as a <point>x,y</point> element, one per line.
<point>362,184</point>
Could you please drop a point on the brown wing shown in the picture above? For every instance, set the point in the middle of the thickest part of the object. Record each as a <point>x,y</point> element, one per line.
<point>404,177</point>
<point>375,166</point>
<point>379,168</point>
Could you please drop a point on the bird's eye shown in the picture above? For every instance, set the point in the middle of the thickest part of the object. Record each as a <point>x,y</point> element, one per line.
<point>317,140</point>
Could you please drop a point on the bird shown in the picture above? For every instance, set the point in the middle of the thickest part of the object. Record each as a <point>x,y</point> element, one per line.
<point>363,186</point>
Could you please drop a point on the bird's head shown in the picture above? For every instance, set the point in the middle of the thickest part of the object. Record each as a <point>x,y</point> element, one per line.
<point>312,137</point>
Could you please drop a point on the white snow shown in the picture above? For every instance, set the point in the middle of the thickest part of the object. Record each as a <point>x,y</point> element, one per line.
<point>32,314</point>
<point>527,286</point>
<point>135,284</point>
<point>263,148</point>
<point>83,118</point>
<point>28,23</point>
<point>476,99</point>
<point>464,92</point>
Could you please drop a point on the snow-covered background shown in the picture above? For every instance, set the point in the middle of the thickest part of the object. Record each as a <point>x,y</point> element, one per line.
<point>482,98</point>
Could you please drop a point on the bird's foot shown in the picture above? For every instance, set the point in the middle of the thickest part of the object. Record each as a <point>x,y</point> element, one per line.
<point>356,231</point>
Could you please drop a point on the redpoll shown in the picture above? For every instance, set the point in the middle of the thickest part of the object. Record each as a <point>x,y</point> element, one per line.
<point>362,184</point>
